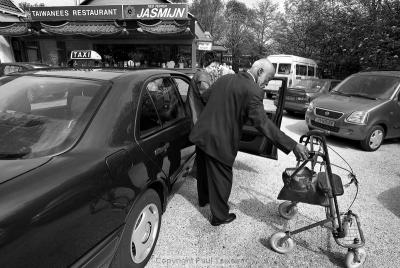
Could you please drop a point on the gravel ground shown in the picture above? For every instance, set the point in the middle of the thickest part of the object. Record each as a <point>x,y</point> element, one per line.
<point>188,240</point>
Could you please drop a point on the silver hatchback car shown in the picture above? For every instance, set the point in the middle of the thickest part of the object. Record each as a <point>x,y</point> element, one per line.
<point>364,107</point>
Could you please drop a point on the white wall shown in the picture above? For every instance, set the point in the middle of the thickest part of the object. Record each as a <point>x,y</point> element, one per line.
<point>6,54</point>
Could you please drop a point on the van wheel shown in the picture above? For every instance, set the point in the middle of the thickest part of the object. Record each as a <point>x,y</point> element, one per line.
<point>374,139</point>
<point>140,234</point>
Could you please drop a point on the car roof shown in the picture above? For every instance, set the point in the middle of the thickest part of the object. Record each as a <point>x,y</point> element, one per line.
<point>25,64</point>
<point>105,74</point>
<point>386,73</point>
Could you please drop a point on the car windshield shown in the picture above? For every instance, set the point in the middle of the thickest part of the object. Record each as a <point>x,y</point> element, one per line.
<point>371,86</point>
<point>42,116</point>
<point>310,86</point>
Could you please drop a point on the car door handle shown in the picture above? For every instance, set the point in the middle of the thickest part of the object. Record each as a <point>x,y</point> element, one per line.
<point>162,149</point>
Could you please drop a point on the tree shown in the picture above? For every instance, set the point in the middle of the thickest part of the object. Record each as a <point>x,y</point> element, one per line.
<point>263,25</point>
<point>237,34</point>
<point>209,14</point>
<point>25,6</point>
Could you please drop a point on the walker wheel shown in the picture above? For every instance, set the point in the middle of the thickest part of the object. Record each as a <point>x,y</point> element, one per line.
<point>352,261</point>
<point>281,244</point>
<point>287,210</point>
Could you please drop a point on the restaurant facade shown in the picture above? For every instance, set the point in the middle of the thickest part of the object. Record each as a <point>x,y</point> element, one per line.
<point>9,13</point>
<point>127,33</point>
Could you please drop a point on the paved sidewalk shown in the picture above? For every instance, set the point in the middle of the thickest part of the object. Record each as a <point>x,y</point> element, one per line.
<point>188,240</point>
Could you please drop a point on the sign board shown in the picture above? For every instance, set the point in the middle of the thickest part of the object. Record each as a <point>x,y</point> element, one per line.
<point>75,13</point>
<point>204,46</point>
<point>85,55</point>
<point>109,12</point>
<point>158,11</point>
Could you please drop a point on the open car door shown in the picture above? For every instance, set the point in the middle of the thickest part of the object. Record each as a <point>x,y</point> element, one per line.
<point>252,141</point>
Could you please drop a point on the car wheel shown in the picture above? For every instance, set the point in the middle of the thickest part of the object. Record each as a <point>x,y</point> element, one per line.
<point>140,234</point>
<point>374,139</point>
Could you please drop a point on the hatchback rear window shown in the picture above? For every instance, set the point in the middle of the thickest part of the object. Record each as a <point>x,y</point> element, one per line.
<point>310,85</point>
<point>372,86</point>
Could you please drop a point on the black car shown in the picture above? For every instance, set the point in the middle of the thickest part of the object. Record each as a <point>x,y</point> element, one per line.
<point>299,95</point>
<point>11,67</point>
<point>87,160</point>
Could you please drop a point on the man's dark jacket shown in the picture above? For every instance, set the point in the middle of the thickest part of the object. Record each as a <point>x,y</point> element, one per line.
<point>234,99</point>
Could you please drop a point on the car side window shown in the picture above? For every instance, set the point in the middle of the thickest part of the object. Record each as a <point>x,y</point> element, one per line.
<point>166,99</point>
<point>149,119</point>
<point>183,87</point>
<point>11,69</point>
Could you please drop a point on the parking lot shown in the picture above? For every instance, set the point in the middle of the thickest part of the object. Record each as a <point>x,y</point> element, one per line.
<point>188,240</point>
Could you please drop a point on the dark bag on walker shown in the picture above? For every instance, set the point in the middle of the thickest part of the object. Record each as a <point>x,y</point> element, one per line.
<point>302,187</point>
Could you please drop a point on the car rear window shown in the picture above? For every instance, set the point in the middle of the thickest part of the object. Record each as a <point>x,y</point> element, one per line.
<point>373,86</point>
<point>310,85</point>
<point>44,115</point>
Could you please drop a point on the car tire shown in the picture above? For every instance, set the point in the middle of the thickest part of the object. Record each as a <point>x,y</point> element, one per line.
<point>374,139</point>
<point>140,233</point>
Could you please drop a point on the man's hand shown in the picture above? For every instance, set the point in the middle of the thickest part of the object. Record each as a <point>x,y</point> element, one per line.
<point>301,152</point>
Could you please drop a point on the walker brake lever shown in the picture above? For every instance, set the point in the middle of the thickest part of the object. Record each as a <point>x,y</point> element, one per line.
<point>353,179</point>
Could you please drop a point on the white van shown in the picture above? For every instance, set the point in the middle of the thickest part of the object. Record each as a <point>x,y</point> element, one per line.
<point>294,68</point>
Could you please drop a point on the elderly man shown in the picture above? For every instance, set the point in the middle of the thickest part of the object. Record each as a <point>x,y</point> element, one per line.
<point>235,99</point>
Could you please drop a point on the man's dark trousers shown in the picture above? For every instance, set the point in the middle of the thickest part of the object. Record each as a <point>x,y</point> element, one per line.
<point>214,184</point>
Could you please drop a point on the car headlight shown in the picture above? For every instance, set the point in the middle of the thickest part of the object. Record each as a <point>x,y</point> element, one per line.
<point>357,117</point>
<point>310,107</point>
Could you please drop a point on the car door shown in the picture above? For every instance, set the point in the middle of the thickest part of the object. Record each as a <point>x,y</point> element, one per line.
<point>394,116</point>
<point>252,141</point>
<point>163,126</point>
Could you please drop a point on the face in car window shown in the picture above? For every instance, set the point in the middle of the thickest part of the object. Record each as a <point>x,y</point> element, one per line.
<point>166,100</point>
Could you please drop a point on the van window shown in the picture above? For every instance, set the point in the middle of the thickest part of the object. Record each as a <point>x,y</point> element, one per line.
<point>311,71</point>
<point>284,68</point>
<point>274,66</point>
<point>301,69</point>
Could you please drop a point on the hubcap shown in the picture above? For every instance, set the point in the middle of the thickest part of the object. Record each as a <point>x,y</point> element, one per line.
<point>376,139</point>
<point>144,233</point>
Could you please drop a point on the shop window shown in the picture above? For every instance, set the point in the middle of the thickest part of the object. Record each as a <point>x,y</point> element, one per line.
<point>33,51</point>
<point>149,120</point>
<point>61,53</point>
<point>166,99</point>
<point>301,69</point>
<point>183,87</point>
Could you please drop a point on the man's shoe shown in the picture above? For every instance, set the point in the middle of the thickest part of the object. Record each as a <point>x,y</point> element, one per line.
<point>216,222</point>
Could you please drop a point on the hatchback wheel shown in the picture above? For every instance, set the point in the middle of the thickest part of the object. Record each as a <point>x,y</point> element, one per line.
<point>141,231</point>
<point>374,139</point>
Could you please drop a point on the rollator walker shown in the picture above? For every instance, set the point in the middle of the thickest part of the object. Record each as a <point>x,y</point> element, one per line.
<point>305,185</point>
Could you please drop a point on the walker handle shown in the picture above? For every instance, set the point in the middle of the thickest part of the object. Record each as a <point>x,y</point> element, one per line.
<point>317,133</point>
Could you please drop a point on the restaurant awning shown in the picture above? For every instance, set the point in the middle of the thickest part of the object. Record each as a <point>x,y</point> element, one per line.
<point>164,27</point>
<point>83,28</point>
<point>15,29</point>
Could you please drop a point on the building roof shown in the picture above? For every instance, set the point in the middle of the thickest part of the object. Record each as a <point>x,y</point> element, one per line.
<point>9,7</point>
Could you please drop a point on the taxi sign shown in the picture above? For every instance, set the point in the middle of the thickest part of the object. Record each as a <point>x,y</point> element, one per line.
<point>85,55</point>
